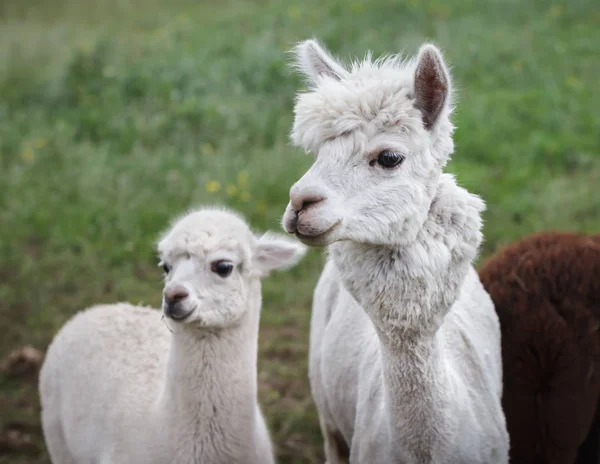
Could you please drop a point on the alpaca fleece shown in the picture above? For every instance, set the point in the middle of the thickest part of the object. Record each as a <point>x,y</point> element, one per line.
<point>405,362</point>
<point>121,386</point>
<point>546,290</point>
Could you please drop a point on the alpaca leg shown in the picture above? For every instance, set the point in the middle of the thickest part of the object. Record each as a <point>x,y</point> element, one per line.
<point>337,450</point>
<point>55,441</point>
<point>589,451</point>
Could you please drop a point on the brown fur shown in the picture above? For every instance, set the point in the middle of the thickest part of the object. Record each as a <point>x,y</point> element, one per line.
<point>546,289</point>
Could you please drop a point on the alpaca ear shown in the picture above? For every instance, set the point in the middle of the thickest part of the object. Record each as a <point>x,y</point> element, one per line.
<point>432,84</point>
<point>313,60</point>
<point>275,251</point>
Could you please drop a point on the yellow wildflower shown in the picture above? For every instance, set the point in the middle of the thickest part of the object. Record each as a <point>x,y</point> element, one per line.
<point>573,82</point>
<point>213,186</point>
<point>27,153</point>
<point>555,11</point>
<point>40,143</point>
<point>207,148</point>
<point>242,178</point>
<point>85,46</point>
<point>261,207</point>
<point>231,190</point>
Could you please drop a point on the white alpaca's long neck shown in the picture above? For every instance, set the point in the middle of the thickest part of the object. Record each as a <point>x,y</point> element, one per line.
<point>408,289</point>
<point>210,393</point>
<point>407,317</point>
<point>407,292</point>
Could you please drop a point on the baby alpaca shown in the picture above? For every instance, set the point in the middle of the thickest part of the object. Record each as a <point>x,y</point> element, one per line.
<point>405,360</point>
<point>546,290</point>
<point>121,386</point>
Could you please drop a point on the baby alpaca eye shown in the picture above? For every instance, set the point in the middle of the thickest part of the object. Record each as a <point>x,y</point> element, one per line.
<point>165,267</point>
<point>222,267</point>
<point>388,159</point>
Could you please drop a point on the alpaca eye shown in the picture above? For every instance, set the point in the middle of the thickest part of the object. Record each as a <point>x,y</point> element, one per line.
<point>166,268</point>
<point>222,267</point>
<point>388,159</point>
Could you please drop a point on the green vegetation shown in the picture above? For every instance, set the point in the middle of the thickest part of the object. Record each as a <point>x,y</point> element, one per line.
<point>117,115</point>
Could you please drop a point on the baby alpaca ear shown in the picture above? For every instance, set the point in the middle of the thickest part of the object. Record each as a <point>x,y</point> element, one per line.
<point>313,60</point>
<point>432,84</point>
<point>276,251</point>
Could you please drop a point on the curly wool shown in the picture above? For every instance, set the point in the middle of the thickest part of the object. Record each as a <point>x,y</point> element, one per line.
<point>546,290</point>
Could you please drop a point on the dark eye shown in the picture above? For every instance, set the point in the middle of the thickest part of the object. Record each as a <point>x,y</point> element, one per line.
<point>388,159</point>
<point>222,267</point>
<point>166,268</point>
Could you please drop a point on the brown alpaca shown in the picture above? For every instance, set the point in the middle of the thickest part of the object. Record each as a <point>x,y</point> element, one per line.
<point>546,289</point>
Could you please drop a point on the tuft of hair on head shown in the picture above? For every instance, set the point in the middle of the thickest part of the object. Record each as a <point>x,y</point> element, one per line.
<point>314,61</point>
<point>219,209</point>
<point>432,84</point>
<point>162,236</point>
<point>276,252</point>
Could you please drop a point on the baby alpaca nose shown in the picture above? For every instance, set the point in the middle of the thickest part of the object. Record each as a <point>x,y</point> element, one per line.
<point>175,294</point>
<point>301,199</point>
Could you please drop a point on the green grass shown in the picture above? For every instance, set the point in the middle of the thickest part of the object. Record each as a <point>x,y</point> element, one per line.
<point>116,116</point>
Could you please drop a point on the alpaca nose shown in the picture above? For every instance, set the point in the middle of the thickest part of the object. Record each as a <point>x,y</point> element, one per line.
<point>302,199</point>
<point>175,295</point>
<point>173,307</point>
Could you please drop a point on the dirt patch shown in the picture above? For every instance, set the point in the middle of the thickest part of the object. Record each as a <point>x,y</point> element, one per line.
<point>22,361</point>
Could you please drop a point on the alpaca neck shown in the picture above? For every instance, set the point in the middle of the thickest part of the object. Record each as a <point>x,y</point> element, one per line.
<point>210,389</point>
<point>407,315</point>
<point>406,292</point>
<point>417,393</point>
<point>405,299</point>
<point>407,288</point>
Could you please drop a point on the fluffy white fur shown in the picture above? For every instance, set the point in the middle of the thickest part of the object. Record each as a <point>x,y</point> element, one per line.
<point>405,362</point>
<point>117,386</point>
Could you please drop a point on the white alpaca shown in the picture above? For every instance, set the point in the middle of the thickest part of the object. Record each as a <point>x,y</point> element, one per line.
<point>405,360</point>
<point>118,387</point>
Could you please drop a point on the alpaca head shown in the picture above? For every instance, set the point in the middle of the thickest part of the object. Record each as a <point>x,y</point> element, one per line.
<point>381,134</point>
<point>213,264</point>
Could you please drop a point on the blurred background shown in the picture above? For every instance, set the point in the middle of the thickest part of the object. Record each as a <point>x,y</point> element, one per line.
<point>117,115</point>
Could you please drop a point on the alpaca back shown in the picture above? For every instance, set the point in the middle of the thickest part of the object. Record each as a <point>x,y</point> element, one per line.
<point>546,291</point>
<point>108,362</point>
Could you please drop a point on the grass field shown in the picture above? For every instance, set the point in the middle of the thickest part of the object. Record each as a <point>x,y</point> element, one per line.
<point>117,115</point>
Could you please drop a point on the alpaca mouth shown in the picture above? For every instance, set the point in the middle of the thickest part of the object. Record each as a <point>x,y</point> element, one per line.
<point>182,317</point>
<point>320,239</point>
<point>177,313</point>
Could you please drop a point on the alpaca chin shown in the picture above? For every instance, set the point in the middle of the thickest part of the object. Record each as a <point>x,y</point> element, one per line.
<point>317,226</point>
